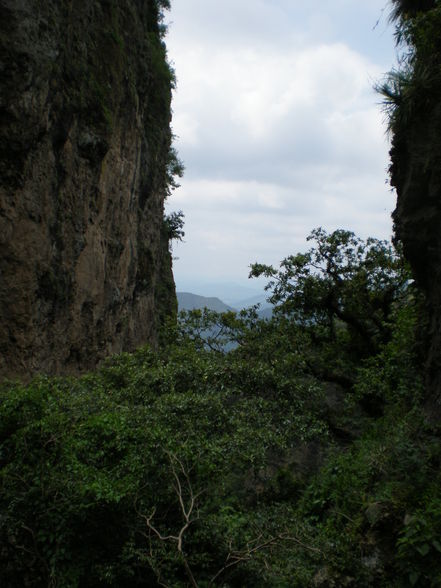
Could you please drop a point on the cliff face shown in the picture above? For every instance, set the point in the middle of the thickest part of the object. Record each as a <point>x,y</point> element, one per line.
<point>85,269</point>
<point>416,168</point>
<point>417,177</point>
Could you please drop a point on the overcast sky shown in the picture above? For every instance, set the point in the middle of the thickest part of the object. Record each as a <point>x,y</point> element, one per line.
<point>278,127</point>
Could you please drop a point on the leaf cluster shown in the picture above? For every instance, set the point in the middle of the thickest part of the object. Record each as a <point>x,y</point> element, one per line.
<point>229,456</point>
<point>408,90</point>
<point>83,461</point>
<point>341,295</point>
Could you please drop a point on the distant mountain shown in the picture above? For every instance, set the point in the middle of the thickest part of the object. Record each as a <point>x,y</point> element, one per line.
<point>188,301</point>
<point>228,292</point>
<point>251,301</point>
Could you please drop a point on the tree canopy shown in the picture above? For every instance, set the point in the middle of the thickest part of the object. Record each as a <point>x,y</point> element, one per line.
<point>258,464</point>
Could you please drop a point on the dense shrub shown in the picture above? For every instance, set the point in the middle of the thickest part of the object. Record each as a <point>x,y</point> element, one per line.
<point>191,465</point>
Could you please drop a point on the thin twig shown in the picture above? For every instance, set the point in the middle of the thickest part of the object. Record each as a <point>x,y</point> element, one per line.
<point>236,557</point>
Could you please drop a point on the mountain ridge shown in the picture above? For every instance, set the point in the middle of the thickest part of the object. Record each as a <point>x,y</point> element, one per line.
<point>190,301</point>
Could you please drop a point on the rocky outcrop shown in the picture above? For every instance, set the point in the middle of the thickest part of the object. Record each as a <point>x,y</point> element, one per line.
<point>85,269</point>
<point>417,178</point>
<point>416,171</point>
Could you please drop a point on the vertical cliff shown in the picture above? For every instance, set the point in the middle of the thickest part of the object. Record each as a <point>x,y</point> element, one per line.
<point>85,269</point>
<point>414,98</point>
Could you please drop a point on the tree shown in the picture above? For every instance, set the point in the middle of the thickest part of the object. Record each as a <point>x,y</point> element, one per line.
<point>173,225</point>
<point>342,291</point>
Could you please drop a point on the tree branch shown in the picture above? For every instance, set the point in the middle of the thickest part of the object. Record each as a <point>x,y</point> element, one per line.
<point>187,508</point>
<point>236,557</point>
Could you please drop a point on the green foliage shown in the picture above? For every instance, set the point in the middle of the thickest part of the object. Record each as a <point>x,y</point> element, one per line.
<point>175,169</point>
<point>173,226</point>
<point>163,4</point>
<point>163,70</point>
<point>340,278</point>
<point>341,295</point>
<point>394,374</point>
<point>419,546</point>
<point>410,89</point>
<point>84,461</point>
<point>225,457</point>
<point>407,9</point>
<point>367,505</point>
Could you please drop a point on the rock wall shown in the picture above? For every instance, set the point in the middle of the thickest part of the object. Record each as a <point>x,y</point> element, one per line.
<point>85,268</point>
<point>417,178</point>
<point>416,171</point>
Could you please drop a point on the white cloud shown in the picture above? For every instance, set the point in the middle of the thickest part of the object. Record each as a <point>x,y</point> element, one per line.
<point>277,136</point>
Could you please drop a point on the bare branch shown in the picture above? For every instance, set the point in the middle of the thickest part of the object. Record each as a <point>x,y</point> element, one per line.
<point>187,500</point>
<point>181,486</point>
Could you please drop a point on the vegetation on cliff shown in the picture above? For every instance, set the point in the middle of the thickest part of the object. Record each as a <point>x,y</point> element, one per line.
<point>86,162</point>
<point>412,100</point>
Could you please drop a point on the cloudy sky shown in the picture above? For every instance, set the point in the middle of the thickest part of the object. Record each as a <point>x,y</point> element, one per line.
<point>278,127</point>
